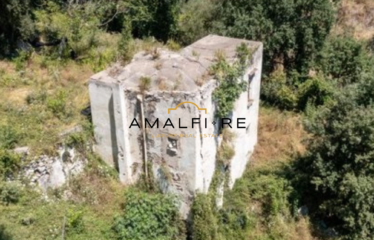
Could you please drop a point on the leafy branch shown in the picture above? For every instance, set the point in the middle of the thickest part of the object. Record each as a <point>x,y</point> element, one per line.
<point>230,79</point>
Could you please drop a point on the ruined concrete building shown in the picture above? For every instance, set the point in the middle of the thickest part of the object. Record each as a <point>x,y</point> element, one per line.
<point>158,111</point>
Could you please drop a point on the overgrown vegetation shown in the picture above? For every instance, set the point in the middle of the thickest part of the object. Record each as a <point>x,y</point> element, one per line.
<point>260,206</point>
<point>293,31</point>
<point>149,216</point>
<point>337,167</point>
<point>230,80</point>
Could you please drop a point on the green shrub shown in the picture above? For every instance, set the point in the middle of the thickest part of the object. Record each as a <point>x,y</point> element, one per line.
<point>82,139</point>
<point>173,45</point>
<point>226,151</point>
<point>21,59</point>
<point>258,200</point>
<point>144,83</point>
<point>4,233</point>
<point>294,91</point>
<point>149,216</point>
<point>124,45</point>
<point>268,193</point>
<point>235,223</point>
<point>75,223</point>
<point>38,97</point>
<point>9,163</point>
<point>57,104</point>
<point>10,192</point>
<point>79,25</point>
<point>280,90</point>
<point>315,91</point>
<point>204,219</point>
<point>345,59</point>
<point>227,74</point>
<point>8,137</point>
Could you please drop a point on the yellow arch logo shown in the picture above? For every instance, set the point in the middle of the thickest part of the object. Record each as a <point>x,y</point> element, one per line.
<point>169,109</point>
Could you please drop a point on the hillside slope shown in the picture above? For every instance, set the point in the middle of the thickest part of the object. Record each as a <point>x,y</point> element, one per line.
<point>357,18</point>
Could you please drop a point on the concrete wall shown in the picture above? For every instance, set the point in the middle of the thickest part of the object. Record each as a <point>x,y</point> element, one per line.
<point>175,159</point>
<point>124,158</point>
<point>109,119</point>
<point>206,160</point>
<point>182,169</point>
<point>246,139</point>
<point>102,108</point>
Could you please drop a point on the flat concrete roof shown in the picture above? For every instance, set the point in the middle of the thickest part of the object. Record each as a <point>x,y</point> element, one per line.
<point>186,70</point>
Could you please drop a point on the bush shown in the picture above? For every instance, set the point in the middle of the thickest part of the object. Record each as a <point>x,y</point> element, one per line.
<point>149,216</point>
<point>21,59</point>
<point>8,137</point>
<point>226,151</point>
<point>82,139</point>
<point>124,45</point>
<point>281,90</point>
<point>204,219</point>
<point>57,104</point>
<point>145,83</point>
<point>345,59</point>
<point>294,91</point>
<point>315,91</point>
<point>38,97</point>
<point>9,192</point>
<point>229,88</point>
<point>337,169</point>
<point>258,200</point>
<point>9,163</point>
<point>75,224</point>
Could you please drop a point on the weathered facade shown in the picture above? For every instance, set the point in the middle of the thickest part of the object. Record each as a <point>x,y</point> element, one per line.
<point>183,156</point>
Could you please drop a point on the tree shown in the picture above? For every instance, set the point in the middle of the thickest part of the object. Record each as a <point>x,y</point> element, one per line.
<point>15,23</point>
<point>154,18</point>
<point>293,31</point>
<point>196,19</point>
<point>339,165</point>
<point>344,59</point>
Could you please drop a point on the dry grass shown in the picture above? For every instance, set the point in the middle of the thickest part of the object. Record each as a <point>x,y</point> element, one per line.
<point>200,81</point>
<point>357,18</point>
<point>144,83</point>
<point>103,195</point>
<point>162,85</point>
<point>280,136</point>
<point>38,126</point>
<point>20,80</point>
<point>16,96</point>
<point>302,230</point>
<point>294,230</point>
